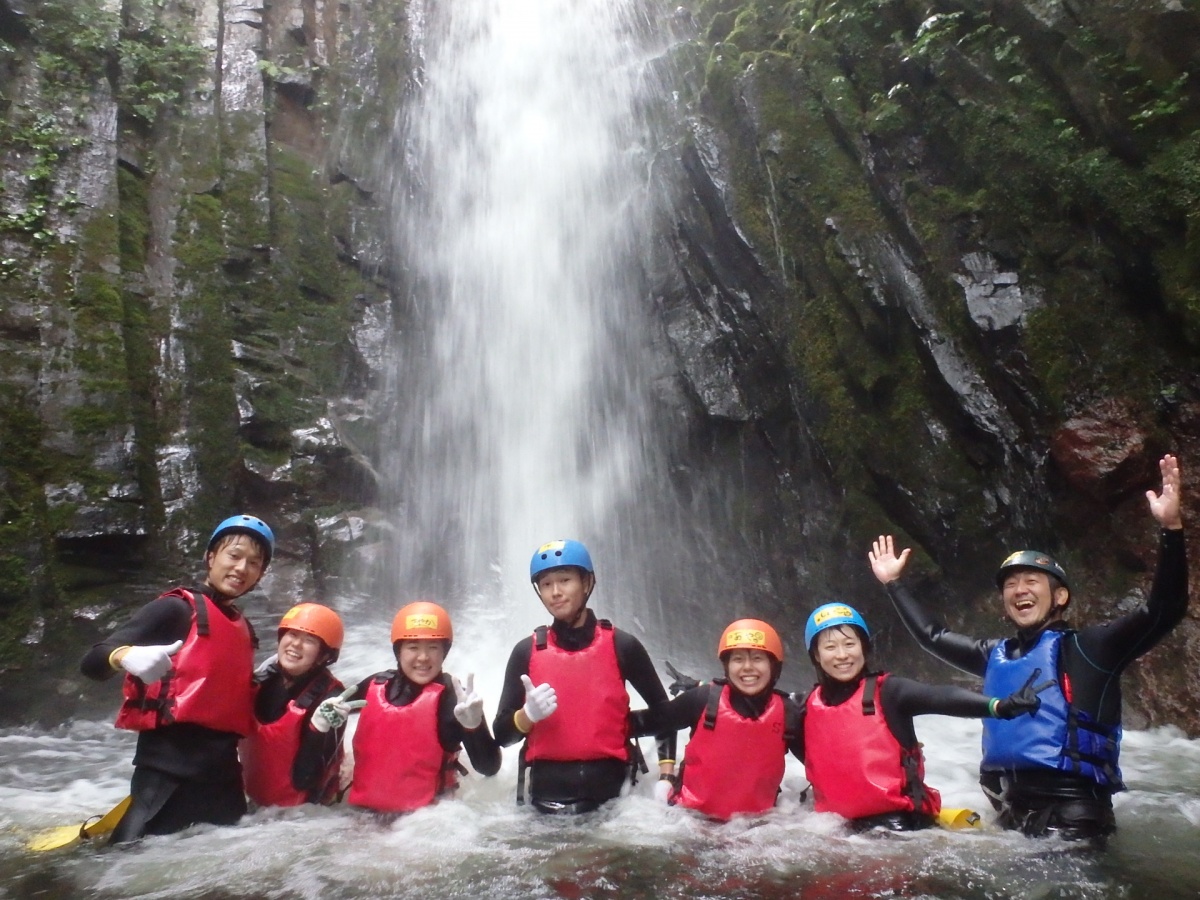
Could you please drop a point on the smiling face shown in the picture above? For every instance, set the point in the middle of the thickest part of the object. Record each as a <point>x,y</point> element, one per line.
<point>564,592</point>
<point>235,565</point>
<point>421,661</point>
<point>839,652</point>
<point>748,670</point>
<point>298,652</point>
<point>1030,599</point>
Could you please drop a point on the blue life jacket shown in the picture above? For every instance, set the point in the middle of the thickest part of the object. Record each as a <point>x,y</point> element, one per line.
<point>1058,736</point>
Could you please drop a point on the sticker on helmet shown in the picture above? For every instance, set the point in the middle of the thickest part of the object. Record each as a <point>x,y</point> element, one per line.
<point>551,545</point>
<point>751,636</point>
<point>839,612</point>
<point>421,620</point>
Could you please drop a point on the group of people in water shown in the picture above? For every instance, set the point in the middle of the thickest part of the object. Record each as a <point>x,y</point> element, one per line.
<point>213,730</point>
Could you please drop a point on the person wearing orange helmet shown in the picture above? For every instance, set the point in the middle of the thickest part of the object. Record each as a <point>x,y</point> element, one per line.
<point>295,751</point>
<point>415,720</point>
<point>187,658</point>
<point>741,728</point>
<point>857,739</point>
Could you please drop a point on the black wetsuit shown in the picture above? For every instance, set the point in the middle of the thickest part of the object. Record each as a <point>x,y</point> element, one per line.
<point>1041,800</point>
<point>579,786</point>
<point>317,750</point>
<point>481,747</point>
<point>184,774</point>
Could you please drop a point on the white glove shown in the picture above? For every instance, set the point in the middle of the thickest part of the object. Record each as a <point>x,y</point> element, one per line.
<point>469,708</point>
<point>334,712</point>
<point>662,790</point>
<point>540,701</point>
<point>266,664</point>
<point>149,663</point>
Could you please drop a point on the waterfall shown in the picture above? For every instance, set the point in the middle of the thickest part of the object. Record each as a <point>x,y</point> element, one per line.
<point>520,384</point>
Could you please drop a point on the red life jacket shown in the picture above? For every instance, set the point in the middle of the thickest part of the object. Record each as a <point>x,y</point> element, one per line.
<point>733,764</point>
<point>856,765</point>
<point>211,682</point>
<point>269,754</point>
<point>592,721</point>
<point>399,763</point>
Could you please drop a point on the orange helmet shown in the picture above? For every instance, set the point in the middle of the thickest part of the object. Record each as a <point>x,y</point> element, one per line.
<point>751,634</point>
<point>422,621</point>
<point>318,620</point>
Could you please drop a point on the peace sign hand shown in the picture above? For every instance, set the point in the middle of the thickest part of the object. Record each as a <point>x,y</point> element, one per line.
<point>469,708</point>
<point>1025,700</point>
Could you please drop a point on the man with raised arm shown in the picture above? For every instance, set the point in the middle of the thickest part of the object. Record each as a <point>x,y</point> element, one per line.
<point>1055,772</point>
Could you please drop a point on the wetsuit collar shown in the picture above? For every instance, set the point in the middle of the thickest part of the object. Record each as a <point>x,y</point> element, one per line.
<point>750,706</point>
<point>575,638</point>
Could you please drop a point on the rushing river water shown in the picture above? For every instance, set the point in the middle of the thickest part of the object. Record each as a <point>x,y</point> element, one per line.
<point>483,846</point>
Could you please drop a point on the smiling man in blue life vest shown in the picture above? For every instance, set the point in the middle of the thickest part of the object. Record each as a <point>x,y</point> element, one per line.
<point>1055,772</point>
<point>188,660</point>
<point>564,692</point>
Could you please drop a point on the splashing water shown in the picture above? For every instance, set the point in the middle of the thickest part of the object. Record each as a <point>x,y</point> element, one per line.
<point>482,845</point>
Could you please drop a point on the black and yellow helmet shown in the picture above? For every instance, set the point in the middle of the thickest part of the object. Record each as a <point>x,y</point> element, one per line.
<point>1031,559</point>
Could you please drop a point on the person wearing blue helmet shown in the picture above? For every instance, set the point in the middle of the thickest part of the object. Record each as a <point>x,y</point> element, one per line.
<point>188,662</point>
<point>1055,773</point>
<point>579,756</point>
<point>857,738</point>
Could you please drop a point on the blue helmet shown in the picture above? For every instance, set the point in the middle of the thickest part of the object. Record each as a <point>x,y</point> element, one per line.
<point>829,615</point>
<point>556,554</point>
<point>246,525</point>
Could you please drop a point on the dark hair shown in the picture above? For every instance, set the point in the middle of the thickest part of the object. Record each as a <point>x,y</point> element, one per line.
<point>228,538</point>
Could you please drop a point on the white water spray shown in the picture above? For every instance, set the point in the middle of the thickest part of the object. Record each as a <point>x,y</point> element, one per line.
<point>520,211</point>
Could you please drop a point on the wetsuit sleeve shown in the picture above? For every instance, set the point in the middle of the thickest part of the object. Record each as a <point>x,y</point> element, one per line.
<point>965,653</point>
<point>796,744</point>
<point>481,747</point>
<point>914,698</point>
<point>317,750</point>
<point>901,699</point>
<point>1113,646</point>
<point>636,668</point>
<point>512,694</point>
<point>163,620</point>
<point>682,712</point>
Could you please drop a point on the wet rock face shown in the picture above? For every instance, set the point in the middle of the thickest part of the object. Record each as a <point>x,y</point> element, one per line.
<point>888,221</point>
<point>1105,452</point>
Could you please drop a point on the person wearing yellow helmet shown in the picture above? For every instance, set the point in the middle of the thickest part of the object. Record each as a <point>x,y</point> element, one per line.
<point>415,720</point>
<point>858,741</point>
<point>580,756</point>
<point>741,728</point>
<point>1055,773</point>
<point>187,659</point>
<point>294,754</point>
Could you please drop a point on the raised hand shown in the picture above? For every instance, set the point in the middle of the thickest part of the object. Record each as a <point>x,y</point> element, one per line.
<point>1165,507</point>
<point>149,663</point>
<point>681,683</point>
<point>886,565</point>
<point>469,708</point>
<point>335,711</point>
<point>540,701</point>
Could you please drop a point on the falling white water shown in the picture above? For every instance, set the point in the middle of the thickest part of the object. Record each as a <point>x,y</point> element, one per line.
<point>520,206</point>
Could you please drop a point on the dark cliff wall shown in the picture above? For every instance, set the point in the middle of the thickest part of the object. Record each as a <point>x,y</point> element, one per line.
<point>966,237</point>
<point>188,321</point>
